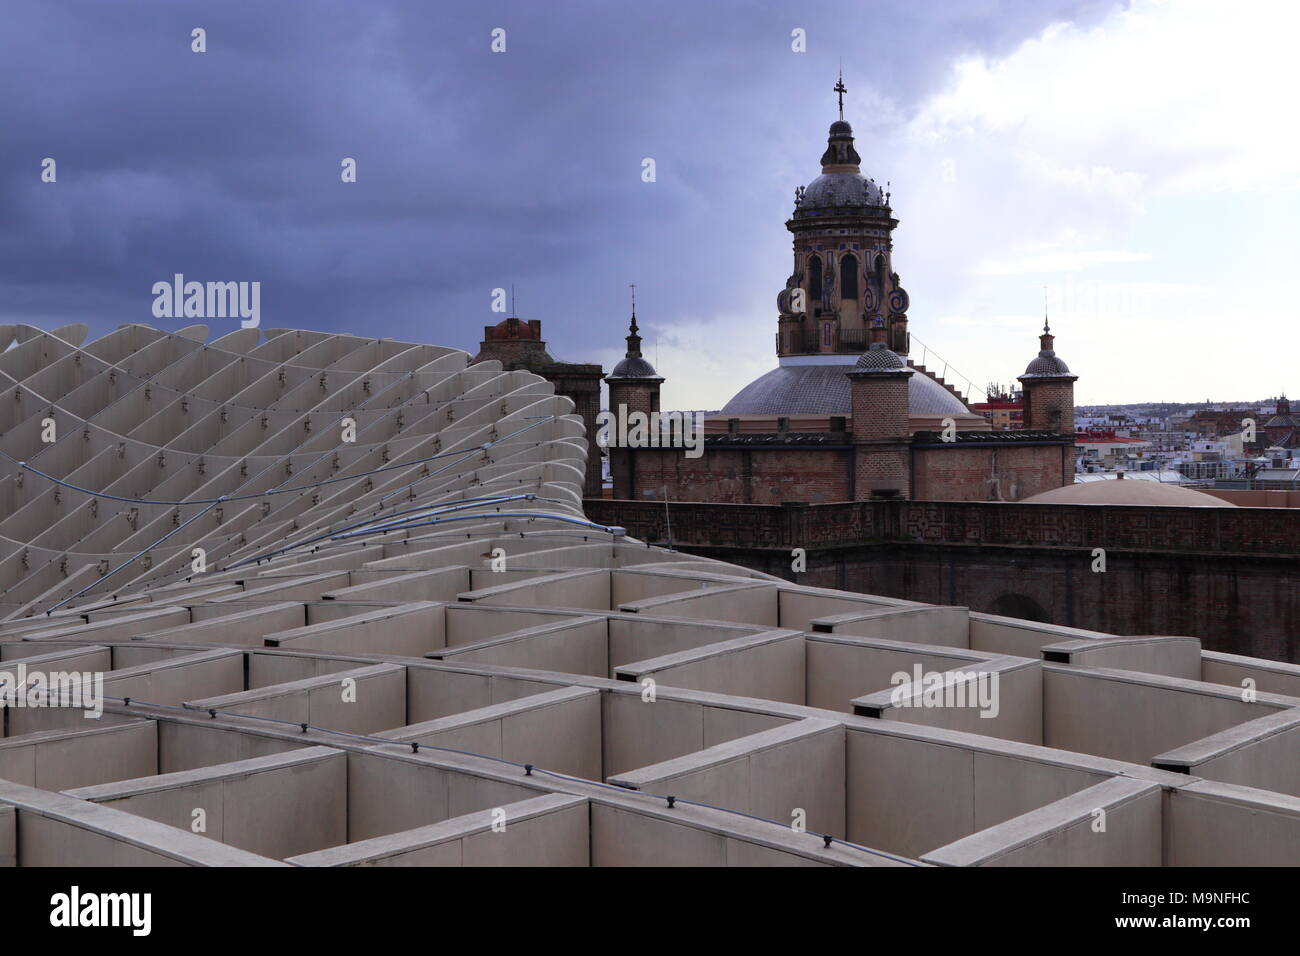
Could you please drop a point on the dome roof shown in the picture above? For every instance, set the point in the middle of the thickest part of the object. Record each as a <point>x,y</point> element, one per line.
<point>1152,494</point>
<point>1047,363</point>
<point>633,366</point>
<point>841,184</point>
<point>842,189</point>
<point>878,359</point>
<point>824,390</point>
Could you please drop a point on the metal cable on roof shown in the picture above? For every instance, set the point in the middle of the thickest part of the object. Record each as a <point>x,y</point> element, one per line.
<point>132,559</point>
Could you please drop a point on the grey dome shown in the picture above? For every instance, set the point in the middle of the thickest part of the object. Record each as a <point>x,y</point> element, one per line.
<point>1047,364</point>
<point>879,359</point>
<point>824,390</point>
<point>841,189</point>
<point>633,367</point>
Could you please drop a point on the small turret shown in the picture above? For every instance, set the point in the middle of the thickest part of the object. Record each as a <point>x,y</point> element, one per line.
<point>1048,389</point>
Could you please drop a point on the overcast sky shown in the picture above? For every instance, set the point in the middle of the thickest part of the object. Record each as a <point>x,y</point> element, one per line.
<point>1139,160</point>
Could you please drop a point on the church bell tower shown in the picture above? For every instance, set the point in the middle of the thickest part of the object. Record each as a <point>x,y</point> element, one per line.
<point>843,282</point>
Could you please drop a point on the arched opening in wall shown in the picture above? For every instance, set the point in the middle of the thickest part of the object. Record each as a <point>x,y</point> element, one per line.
<point>849,277</point>
<point>1021,606</point>
<point>815,279</point>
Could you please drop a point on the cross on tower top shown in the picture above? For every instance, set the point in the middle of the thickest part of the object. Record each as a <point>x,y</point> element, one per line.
<point>841,89</point>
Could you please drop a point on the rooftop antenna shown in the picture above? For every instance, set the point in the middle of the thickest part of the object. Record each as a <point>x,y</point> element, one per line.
<point>841,89</point>
<point>513,311</point>
<point>632,286</point>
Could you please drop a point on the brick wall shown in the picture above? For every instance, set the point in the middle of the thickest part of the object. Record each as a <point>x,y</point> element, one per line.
<point>745,476</point>
<point>519,353</point>
<point>879,405</point>
<point>960,473</point>
<point>637,398</point>
<point>1219,574</point>
<point>882,468</point>
<point>771,475</point>
<point>624,463</point>
<point>1265,531</point>
<point>879,416</point>
<point>1234,603</point>
<point>1049,405</point>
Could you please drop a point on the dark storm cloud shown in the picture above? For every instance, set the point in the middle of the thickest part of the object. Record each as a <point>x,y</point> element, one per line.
<point>476,169</point>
